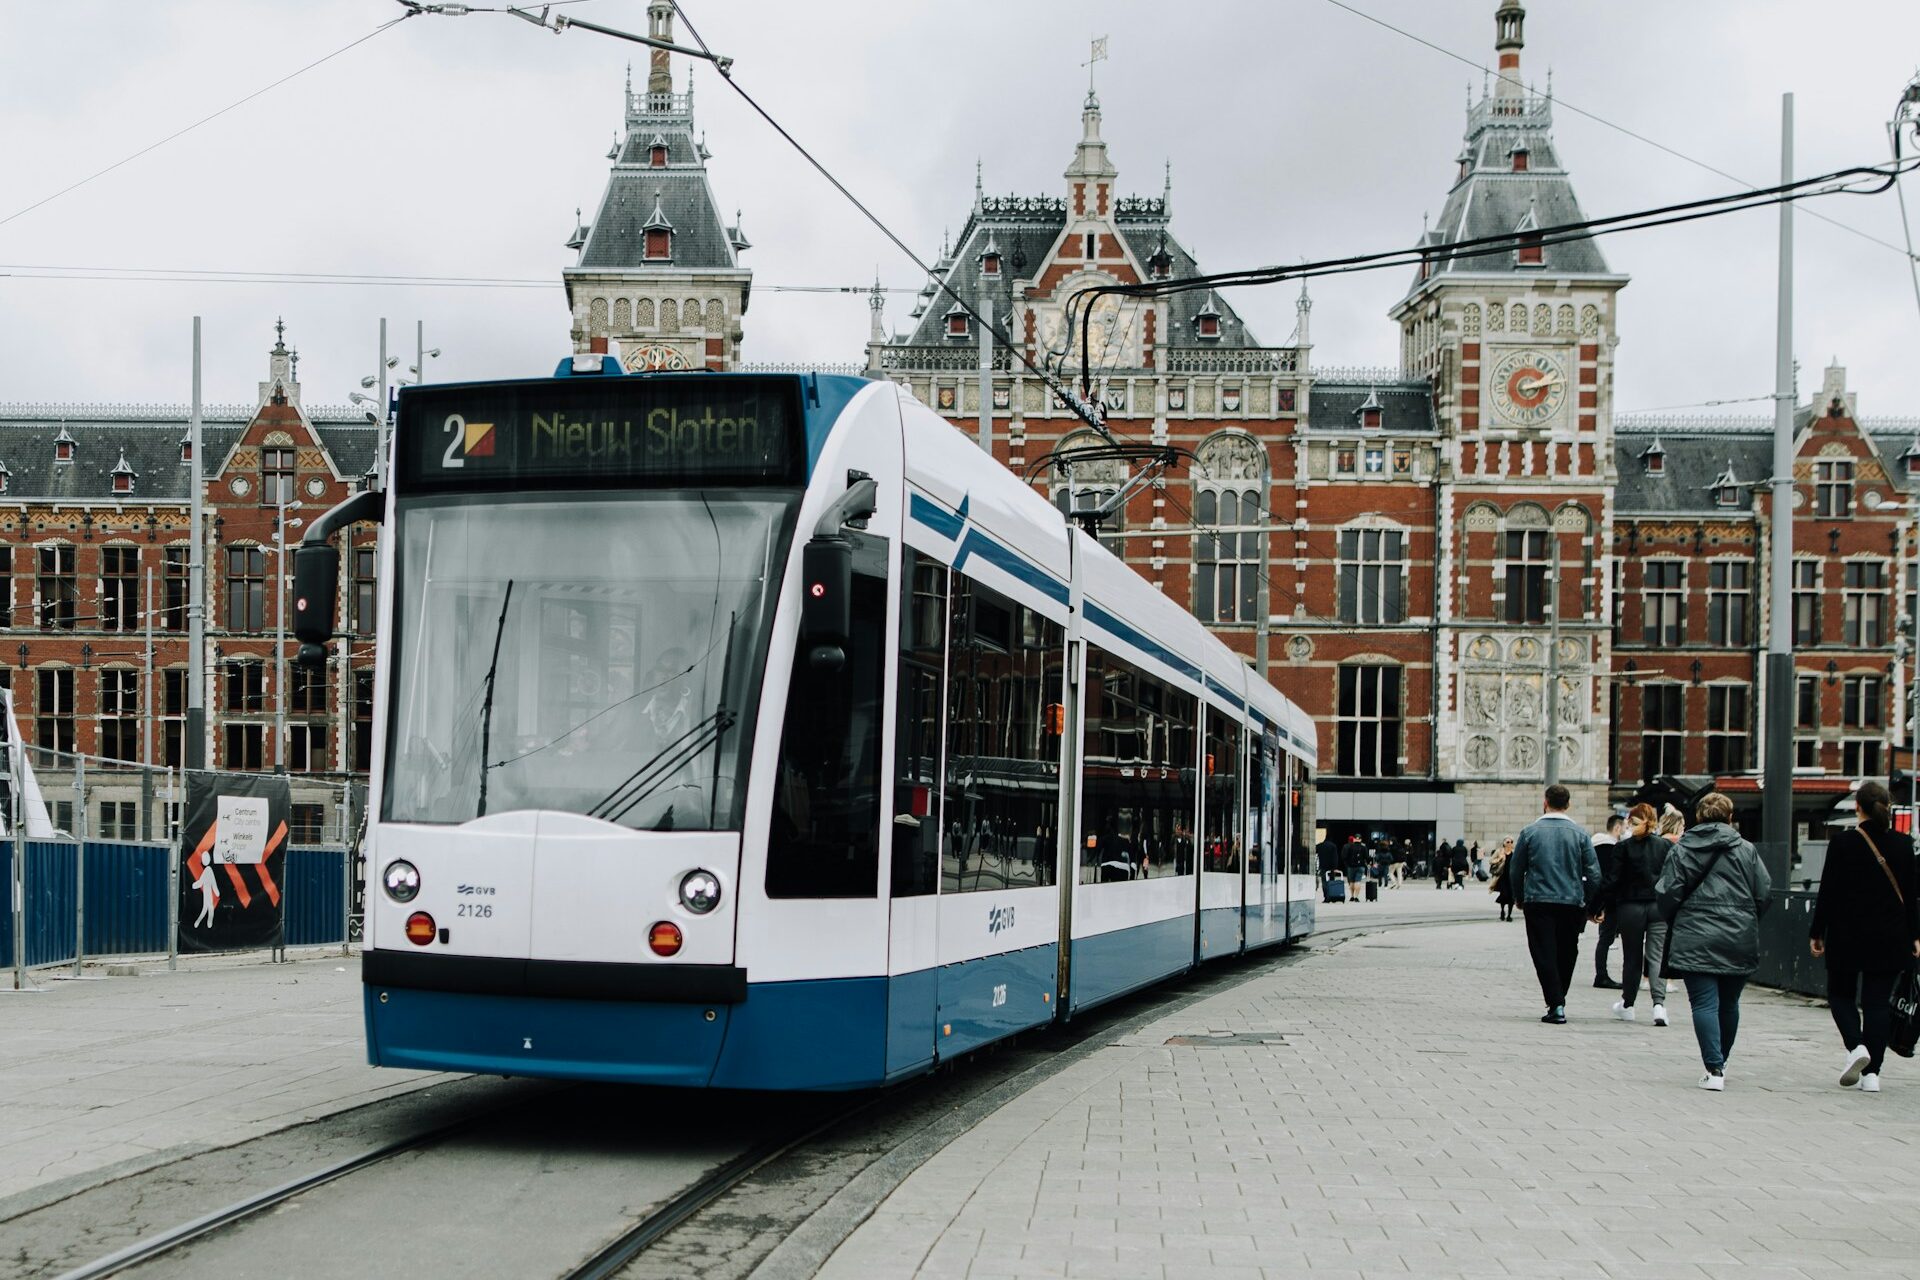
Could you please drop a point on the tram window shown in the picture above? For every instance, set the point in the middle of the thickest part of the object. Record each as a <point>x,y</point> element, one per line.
<point>824,841</point>
<point>1002,800</point>
<point>1139,750</point>
<point>915,835</point>
<point>1221,817</point>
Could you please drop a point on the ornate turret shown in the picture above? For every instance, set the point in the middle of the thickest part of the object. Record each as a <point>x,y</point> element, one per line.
<point>1507,43</point>
<point>659,270</point>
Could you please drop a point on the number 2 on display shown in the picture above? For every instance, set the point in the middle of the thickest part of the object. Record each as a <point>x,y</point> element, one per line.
<point>457,428</point>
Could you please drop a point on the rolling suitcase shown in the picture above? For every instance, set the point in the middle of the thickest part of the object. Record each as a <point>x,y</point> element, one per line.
<point>1373,891</point>
<point>1336,887</point>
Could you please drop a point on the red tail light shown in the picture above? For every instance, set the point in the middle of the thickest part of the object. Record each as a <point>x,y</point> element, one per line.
<point>420,929</point>
<point>664,938</point>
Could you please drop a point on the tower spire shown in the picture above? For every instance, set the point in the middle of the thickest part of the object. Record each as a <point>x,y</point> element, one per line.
<point>1508,21</point>
<point>660,27</point>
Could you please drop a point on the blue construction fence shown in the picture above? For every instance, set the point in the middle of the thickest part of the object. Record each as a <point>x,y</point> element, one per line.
<point>126,904</point>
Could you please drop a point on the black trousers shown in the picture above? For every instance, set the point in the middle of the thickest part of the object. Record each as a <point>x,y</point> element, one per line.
<point>1553,939</point>
<point>1867,1019</point>
<point>1608,932</point>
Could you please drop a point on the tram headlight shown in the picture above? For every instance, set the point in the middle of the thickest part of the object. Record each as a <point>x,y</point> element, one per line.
<point>401,880</point>
<point>700,891</point>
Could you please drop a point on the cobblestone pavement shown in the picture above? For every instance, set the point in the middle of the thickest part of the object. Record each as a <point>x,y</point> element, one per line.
<point>104,1077</point>
<point>1404,1112</point>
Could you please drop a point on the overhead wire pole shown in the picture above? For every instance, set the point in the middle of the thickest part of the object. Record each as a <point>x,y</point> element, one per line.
<point>196,752</point>
<point>1777,807</point>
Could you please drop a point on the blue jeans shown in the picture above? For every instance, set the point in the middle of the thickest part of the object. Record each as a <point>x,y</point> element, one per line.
<point>1715,998</point>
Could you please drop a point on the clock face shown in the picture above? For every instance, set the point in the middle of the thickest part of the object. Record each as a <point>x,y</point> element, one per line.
<point>1528,386</point>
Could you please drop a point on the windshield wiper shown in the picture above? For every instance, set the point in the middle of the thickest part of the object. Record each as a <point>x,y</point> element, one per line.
<point>726,680</point>
<point>662,765</point>
<point>486,707</point>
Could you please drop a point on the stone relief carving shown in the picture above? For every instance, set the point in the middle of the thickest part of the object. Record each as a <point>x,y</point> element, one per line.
<point>1481,701</point>
<point>1229,456</point>
<point>1570,755</point>
<point>1482,518</point>
<point>1523,703</point>
<point>1525,649</point>
<point>1470,320</point>
<point>1482,754</point>
<point>1300,648</point>
<point>1484,649</point>
<point>1497,319</point>
<point>1523,753</point>
<point>1572,519</point>
<point>1543,319</point>
<point>1573,649</point>
<point>1589,322</point>
<point>1573,704</point>
<point>1563,320</point>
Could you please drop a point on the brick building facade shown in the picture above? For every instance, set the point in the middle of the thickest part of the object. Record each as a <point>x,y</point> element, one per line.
<point>94,535</point>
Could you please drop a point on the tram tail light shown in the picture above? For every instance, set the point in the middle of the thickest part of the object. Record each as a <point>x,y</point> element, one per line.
<point>420,929</point>
<point>665,938</point>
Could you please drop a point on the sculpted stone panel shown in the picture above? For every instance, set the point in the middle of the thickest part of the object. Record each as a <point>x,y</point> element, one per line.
<point>1480,701</point>
<point>1482,518</point>
<point>1523,702</point>
<point>1482,754</point>
<point>1570,756</point>
<point>1483,649</point>
<point>1524,649</point>
<point>1497,319</point>
<point>1523,754</point>
<point>1470,320</point>
<point>1229,456</point>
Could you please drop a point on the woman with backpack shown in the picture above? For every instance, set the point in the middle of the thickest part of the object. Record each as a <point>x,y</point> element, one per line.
<point>1866,924</point>
<point>1712,893</point>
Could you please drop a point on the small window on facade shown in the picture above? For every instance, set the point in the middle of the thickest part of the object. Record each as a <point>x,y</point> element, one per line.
<point>123,483</point>
<point>1656,463</point>
<point>1728,495</point>
<point>1092,247</point>
<point>657,155</point>
<point>63,447</point>
<point>6,477</point>
<point>1370,418</point>
<point>990,264</point>
<point>1519,159</point>
<point>1913,468</point>
<point>956,324</point>
<point>659,246</point>
<point>1530,253</point>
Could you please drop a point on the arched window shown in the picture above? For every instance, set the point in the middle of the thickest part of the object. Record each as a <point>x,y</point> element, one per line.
<point>1368,716</point>
<point>1226,512</point>
<point>1372,586</point>
<point>1091,483</point>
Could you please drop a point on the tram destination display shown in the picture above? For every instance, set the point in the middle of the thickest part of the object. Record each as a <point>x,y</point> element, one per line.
<point>601,433</point>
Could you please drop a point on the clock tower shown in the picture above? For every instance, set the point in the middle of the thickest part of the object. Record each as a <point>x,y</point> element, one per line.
<point>1517,343</point>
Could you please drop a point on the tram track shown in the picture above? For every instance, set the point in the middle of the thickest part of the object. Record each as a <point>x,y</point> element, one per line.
<point>875,1140</point>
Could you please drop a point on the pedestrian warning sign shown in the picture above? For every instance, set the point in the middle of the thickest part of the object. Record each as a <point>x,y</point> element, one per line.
<point>233,847</point>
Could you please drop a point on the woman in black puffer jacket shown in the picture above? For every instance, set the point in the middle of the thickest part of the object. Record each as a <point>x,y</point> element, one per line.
<point>1712,894</point>
<point>1866,923</point>
<point>1627,895</point>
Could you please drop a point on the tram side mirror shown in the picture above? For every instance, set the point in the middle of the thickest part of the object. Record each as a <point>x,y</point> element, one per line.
<point>826,616</point>
<point>316,585</point>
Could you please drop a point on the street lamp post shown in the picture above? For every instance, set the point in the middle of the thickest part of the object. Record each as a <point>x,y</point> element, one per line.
<point>280,630</point>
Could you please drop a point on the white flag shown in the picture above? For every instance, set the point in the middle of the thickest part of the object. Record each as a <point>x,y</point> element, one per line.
<point>1099,49</point>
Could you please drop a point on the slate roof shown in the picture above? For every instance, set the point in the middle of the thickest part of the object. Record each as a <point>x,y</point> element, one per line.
<point>1024,229</point>
<point>1489,199</point>
<point>615,239</point>
<point>1699,452</point>
<point>1406,408</point>
<point>151,444</point>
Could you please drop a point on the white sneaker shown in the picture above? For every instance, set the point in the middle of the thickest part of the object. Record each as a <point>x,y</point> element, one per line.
<point>1717,1083</point>
<point>1659,1015</point>
<point>1856,1063</point>
<point>1869,1083</point>
<point>1623,1011</point>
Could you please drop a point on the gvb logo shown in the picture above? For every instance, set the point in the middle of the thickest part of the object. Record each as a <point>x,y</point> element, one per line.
<point>468,440</point>
<point>999,918</point>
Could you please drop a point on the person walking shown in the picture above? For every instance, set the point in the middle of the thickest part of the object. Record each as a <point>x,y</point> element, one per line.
<point>1555,879</point>
<point>1462,860</point>
<point>1627,897</point>
<point>1502,886</point>
<point>1866,925</point>
<point>1673,824</point>
<point>1603,847</point>
<point>1442,864</point>
<point>1712,893</point>
<point>1354,863</point>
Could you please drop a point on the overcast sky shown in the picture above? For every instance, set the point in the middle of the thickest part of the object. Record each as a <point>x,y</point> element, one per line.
<point>461,146</point>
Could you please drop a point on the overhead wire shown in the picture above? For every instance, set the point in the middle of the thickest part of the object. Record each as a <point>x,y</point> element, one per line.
<point>1601,120</point>
<point>206,119</point>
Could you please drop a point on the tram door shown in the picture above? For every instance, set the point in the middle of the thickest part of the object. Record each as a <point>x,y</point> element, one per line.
<point>913,954</point>
<point>1266,913</point>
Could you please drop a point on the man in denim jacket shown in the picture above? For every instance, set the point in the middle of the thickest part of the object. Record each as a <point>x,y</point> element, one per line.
<point>1555,876</point>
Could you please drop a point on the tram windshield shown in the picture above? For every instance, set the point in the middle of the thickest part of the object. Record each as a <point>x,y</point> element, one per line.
<point>599,656</point>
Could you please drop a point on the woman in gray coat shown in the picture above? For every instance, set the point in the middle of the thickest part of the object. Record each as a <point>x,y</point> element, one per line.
<point>1712,892</point>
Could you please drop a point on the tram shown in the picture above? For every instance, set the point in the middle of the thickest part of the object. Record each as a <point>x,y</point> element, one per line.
<point>757,731</point>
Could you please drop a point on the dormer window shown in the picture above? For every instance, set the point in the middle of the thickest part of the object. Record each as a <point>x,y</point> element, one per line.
<point>123,475</point>
<point>1527,247</point>
<point>1206,322</point>
<point>990,259</point>
<point>63,446</point>
<point>1912,457</point>
<point>956,323</point>
<point>657,234</point>
<point>657,153</point>
<point>1654,458</point>
<point>1726,488</point>
<point>186,447</point>
<point>6,477</point>
<point>1519,156</point>
<point>1370,412</point>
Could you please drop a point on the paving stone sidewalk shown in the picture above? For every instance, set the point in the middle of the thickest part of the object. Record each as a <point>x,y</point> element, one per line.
<point>103,1077</point>
<point>1418,1119</point>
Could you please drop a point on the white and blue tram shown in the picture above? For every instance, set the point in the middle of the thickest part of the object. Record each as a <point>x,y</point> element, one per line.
<point>757,731</point>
